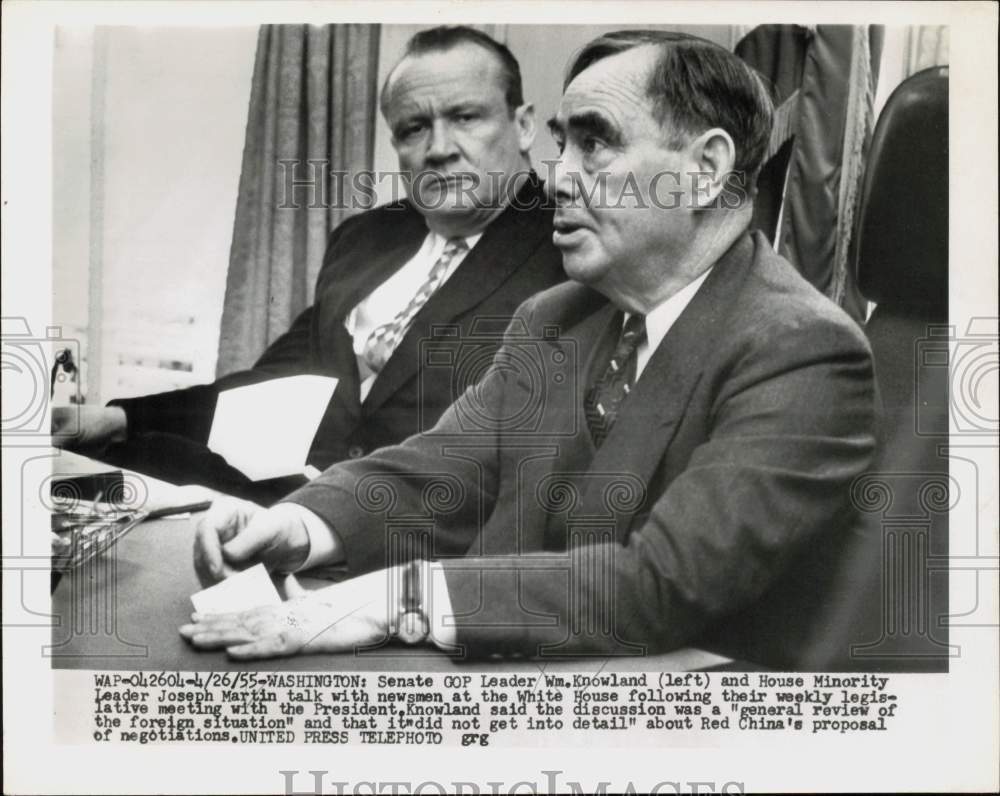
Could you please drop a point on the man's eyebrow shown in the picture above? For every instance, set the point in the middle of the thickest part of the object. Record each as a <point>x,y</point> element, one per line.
<point>465,105</point>
<point>595,124</point>
<point>422,115</point>
<point>587,122</point>
<point>409,117</point>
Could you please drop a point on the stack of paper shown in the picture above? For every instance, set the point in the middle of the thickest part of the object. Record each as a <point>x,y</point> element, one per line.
<point>265,430</point>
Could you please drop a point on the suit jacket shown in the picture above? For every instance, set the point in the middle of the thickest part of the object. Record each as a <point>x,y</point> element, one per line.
<point>514,259</point>
<point>734,451</point>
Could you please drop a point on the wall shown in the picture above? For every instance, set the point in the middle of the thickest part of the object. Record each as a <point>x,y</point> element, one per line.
<point>148,138</point>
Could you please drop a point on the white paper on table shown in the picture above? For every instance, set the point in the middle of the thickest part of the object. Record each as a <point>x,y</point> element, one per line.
<point>161,495</point>
<point>239,592</point>
<point>265,430</point>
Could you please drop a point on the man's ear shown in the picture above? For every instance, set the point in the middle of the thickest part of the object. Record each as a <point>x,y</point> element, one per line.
<point>714,154</point>
<point>524,118</point>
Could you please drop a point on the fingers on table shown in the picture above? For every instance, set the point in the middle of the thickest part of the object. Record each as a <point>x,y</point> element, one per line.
<point>273,646</point>
<point>261,534</point>
<point>221,522</point>
<point>249,635</point>
<point>226,516</point>
<point>208,562</point>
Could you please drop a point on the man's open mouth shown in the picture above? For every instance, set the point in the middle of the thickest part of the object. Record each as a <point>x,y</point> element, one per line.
<point>566,231</point>
<point>445,181</point>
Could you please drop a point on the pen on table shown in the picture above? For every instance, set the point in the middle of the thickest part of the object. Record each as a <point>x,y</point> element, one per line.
<point>169,511</point>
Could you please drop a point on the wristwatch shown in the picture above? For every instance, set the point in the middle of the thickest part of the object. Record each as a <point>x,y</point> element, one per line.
<point>412,627</point>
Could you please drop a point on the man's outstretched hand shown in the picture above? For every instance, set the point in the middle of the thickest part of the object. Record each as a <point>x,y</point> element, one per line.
<point>338,618</point>
<point>235,534</point>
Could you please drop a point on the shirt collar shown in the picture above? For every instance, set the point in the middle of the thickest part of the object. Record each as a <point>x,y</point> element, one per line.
<point>435,242</point>
<point>662,317</point>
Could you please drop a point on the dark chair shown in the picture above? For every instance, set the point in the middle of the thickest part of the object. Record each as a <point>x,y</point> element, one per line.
<point>889,609</point>
<point>876,596</point>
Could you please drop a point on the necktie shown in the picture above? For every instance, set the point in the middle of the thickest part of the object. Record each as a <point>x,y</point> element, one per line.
<point>384,339</point>
<point>606,395</point>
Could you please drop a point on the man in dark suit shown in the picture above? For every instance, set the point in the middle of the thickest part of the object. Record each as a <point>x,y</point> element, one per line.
<point>655,441</point>
<point>471,242</point>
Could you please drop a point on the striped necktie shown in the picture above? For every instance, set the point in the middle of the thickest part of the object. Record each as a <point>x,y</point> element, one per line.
<point>605,397</point>
<point>384,339</point>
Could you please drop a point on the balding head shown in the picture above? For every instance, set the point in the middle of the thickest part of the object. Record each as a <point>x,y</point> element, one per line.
<point>446,37</point>
<point>693,85</point>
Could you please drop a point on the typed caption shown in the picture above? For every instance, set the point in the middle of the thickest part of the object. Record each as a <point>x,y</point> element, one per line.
<point>480,709</point>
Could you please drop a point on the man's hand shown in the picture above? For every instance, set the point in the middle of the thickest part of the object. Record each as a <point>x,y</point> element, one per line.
<point>235,534</point>
<point>99,426</point>
<point>338,618</point>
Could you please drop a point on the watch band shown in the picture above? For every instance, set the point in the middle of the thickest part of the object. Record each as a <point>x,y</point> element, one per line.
<point>413,594</point>
<point>412,627</point>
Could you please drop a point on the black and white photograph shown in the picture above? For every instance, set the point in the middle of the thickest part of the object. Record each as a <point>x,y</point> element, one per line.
<point>427,397</point>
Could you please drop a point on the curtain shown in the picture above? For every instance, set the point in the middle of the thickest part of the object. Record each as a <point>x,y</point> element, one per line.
<point>778,52</point>
<point>824,79</point>
<point>926,46</point>
<point>310,123</point>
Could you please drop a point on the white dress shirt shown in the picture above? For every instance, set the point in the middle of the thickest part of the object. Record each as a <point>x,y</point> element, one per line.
<point>391,297</point>
<point>661,318</point>
<point>323,544</point>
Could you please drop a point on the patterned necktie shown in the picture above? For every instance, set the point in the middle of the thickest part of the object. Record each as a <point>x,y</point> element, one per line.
<point>605,397</point>
<point>384,339</point>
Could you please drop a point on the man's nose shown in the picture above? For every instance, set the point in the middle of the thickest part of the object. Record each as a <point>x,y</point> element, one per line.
<point>564,185</point>
<point>441,147</point>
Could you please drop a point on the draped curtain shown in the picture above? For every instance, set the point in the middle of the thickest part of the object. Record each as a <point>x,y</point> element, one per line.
<point>926,46</point>
<point>825,79</point>
<point>310,128</point>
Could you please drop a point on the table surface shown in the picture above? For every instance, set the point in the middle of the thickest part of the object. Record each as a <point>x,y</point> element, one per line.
<point>122,610</point>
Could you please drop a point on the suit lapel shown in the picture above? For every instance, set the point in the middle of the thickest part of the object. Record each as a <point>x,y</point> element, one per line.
<point>593,340</point>
<point>504,247</point>
<point>341,290</point>
<point>398,239</point>
<point>650,417</point>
